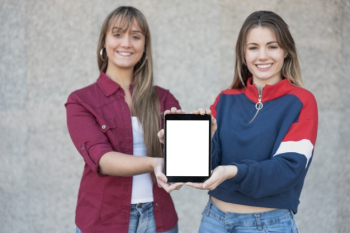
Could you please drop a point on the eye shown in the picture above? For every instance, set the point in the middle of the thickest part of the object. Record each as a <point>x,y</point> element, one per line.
<point>273,47</point>
<point>252,48</point>
<point>118,35</point>
<point>136,37</point>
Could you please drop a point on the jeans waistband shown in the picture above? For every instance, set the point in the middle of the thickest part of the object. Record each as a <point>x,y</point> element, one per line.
<point>141,207</point>
<point>273,215</point>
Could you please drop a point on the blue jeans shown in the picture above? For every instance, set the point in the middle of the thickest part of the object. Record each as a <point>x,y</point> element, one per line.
<point>142,219</point>
<point>215,220</point>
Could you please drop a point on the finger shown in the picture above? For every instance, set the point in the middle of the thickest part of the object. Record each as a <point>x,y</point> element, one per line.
<point>201,111</point>
<point>180,111</point>
<point>208,111</point>
<point>161,178</point>
<point>171,187</point>
<point>195,185</point>
<point>177,186</point>
<point>167,112</point>
<point>211,186</point>
<point>173,110</point>
<point>160,135</point>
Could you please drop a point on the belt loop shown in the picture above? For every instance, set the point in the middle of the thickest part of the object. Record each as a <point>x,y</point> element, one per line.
<point>291,213</point>
<point>258,222</point>
<point>208,207</point>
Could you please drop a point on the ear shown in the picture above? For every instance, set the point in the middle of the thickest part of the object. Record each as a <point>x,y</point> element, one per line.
<point>285,54</point>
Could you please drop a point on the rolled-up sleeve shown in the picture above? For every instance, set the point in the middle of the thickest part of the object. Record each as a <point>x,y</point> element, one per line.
<point>85,133</point>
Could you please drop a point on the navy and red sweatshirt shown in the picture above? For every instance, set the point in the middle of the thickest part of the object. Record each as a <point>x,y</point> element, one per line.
<point>271,143</point>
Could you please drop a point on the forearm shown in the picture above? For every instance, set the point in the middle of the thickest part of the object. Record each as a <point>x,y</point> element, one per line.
<point>119,164</point>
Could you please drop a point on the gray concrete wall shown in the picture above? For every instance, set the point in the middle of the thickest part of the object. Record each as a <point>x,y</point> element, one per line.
<point>48,50</point>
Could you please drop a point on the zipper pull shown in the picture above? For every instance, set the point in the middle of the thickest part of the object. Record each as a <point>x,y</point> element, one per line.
<point>258,106</point>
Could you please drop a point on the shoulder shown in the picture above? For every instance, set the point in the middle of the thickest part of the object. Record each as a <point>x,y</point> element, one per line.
<point>304,95</point>
<point>309,108</point>
<point>166,98</point>
<point>231,92</point>
<point>163,93</point>
<point>84,94</point>
<point>228,92</point>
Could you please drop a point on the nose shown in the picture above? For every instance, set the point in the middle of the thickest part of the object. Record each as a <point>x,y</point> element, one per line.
<point>262,54</point>
<point>126,42</point>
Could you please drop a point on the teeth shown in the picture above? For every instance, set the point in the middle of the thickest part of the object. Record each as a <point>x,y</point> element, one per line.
<point>264,66</point>
<point>125,54</point>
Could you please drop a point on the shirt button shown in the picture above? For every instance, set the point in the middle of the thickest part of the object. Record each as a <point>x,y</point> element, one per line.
<point>157,204</point>
<point>103,126</point>
<point>82,148</point>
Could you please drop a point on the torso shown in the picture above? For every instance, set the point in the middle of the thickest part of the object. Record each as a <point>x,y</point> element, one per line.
<point>237,208</point>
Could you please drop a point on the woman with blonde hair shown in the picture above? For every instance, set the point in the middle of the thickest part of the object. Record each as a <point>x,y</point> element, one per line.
<point>114,123</point>
<point>265,137</point>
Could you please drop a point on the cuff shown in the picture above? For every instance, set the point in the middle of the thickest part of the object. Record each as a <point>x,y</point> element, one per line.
<point>242,170</point>
<point>92,154</point>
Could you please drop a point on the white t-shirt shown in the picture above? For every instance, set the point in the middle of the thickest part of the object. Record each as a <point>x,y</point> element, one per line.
<point>141,184</point>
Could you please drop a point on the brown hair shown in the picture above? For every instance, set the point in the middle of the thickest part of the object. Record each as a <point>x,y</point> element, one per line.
<point>145,99</point>
<point>290,68</point>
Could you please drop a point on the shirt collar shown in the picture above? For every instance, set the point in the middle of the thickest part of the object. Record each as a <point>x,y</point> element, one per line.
<point>270,92</point>
<point>107,85</point>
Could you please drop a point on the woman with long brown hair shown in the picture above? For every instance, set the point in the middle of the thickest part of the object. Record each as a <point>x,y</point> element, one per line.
<point>114,123</point>
<point>265,137</point>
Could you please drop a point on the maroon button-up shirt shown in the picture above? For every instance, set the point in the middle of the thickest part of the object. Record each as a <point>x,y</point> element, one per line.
<point>99,121</point>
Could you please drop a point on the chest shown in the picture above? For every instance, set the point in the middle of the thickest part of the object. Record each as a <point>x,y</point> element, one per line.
<point>248,133</point>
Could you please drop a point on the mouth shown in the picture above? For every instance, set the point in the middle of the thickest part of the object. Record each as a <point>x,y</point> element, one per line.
<point>263,66</point>
<point>124,54</point>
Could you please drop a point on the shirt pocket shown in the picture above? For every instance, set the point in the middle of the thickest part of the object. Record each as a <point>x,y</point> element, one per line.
<point>106,124</point>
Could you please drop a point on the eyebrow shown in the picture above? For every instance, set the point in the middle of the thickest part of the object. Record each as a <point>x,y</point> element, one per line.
<point>118,28</point>
<point>271,42</point>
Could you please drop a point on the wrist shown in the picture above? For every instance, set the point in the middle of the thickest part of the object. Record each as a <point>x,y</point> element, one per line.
<point>155,163</point>
<point>231,171</point>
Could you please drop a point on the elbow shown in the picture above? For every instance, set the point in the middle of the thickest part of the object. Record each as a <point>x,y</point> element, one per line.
<point>103,165</point>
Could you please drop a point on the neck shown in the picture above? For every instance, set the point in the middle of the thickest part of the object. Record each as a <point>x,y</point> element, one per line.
<point>123,77</point>
<point>260,84</point>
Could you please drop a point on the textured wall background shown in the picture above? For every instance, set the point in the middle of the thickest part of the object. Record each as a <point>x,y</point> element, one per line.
<point>48,50</point>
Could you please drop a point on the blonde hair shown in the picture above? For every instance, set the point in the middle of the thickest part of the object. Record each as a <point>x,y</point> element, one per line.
<point>146,104</point>
<point>290,68</point>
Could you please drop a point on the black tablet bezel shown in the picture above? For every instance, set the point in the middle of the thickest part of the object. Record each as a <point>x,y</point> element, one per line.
<point>196,179</point>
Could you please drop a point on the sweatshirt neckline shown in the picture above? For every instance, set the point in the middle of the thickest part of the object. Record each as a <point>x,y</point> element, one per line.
<point>269,92</point>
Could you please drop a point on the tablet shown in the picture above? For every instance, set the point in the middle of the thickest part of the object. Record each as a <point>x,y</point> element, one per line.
<point>187,146</point>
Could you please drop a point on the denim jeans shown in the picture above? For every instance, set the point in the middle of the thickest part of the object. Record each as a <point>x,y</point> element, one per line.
<point>215,220</point>
<point>142,219</point>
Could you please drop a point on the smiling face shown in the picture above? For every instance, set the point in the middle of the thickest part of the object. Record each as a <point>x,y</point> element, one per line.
<point>124,47</point>
<point>264,56</point>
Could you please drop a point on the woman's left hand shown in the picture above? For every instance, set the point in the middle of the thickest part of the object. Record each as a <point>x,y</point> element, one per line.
<point>218,175</point>
<point>161,178</point>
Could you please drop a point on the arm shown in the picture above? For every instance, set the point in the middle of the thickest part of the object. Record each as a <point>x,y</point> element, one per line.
<point>119,164</point>
<point>290,162</point>
<point>285,169</point>
<point>95,147</point>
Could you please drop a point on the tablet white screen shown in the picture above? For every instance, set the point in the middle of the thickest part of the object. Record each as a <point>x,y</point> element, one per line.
<point>187,148</point>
